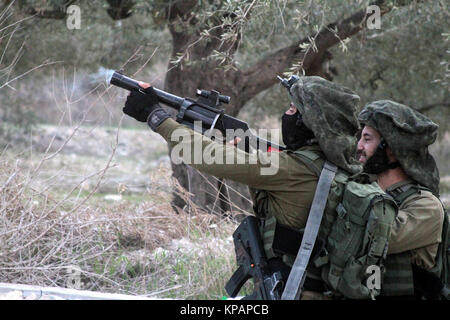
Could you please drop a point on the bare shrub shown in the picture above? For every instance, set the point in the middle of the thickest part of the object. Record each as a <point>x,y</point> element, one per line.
<point>113,248</point>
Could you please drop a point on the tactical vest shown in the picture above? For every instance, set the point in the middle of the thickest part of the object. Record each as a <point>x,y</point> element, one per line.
<point>355,225</point>
<point>398,280</point>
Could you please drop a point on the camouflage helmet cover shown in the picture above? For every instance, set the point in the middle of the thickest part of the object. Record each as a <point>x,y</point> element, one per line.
<point>408,133</point>
<point>329,110</point>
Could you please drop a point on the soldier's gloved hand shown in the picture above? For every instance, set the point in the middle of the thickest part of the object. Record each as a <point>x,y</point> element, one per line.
<point>139,105</point>
<point>145,107</point>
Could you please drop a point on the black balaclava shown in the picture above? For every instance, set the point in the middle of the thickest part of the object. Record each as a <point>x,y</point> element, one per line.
<point>295,133</point>
<point>379,161</point>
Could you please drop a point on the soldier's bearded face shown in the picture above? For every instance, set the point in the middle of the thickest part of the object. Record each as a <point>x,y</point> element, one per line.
<point>367,144</point>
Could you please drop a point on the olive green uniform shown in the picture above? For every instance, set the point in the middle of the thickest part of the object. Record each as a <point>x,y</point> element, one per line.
<point>417,227</point>
<point>291,189</point>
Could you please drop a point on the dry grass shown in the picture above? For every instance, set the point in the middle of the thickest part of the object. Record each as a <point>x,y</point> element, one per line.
<point>121,248</point>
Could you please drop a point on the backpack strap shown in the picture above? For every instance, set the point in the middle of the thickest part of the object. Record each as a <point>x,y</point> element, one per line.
<point>401,193</point>
<point>297,275</point>
<point>398,279</point>
<point>312,160</point>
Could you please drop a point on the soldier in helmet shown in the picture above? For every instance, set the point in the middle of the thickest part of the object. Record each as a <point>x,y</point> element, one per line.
<point>394,146</point>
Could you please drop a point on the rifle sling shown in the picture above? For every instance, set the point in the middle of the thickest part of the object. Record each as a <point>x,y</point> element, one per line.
<point>297,275</point>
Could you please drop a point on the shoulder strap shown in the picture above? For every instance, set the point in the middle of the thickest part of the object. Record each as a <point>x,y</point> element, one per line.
<point>297,275</point>
<point>312,160</point>
<point>400,194</point>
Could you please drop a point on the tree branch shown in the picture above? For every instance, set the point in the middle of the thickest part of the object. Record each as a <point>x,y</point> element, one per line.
<point>119,9</point>
<point>56,14</point>
<point>262,74</point>
<point>179,9</point>
<point>433,105</point>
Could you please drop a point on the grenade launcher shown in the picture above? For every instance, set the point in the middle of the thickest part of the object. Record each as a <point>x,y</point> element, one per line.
<point>205,109</point>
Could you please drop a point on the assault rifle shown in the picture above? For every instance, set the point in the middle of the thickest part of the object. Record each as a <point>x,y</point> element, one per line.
<point>206,110</point>
<point>252,263</point>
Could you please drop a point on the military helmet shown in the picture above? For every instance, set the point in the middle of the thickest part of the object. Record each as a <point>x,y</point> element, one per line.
<point>329,110</point>
<point>408,133</point>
